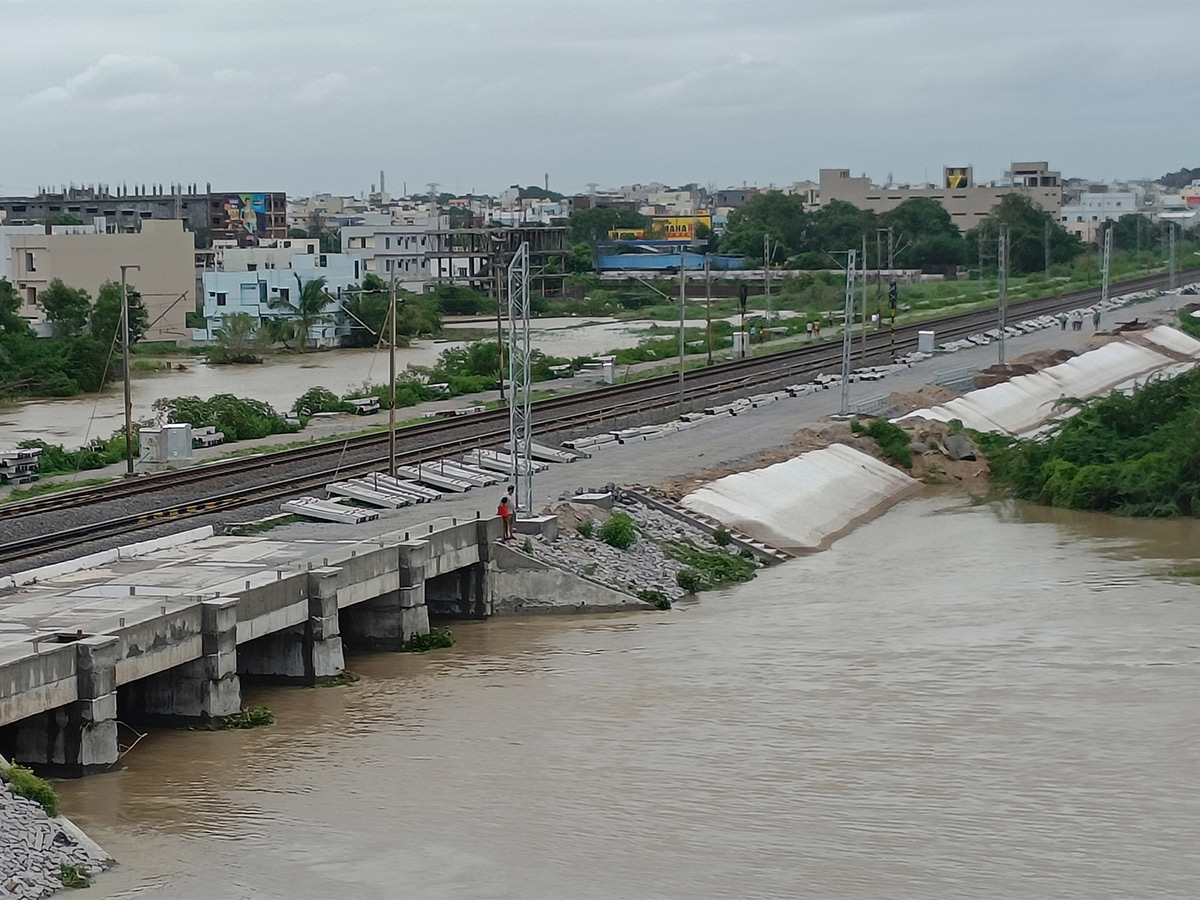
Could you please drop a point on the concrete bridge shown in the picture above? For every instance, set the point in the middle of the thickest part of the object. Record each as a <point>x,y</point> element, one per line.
<point>170,637</point>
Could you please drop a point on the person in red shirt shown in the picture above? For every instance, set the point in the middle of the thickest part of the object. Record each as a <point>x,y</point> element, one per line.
<point>505,512</point>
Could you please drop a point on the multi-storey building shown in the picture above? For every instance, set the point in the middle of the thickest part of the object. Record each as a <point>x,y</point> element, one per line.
<point>245,217</point>
<point>966,202</point>
<point>162,249</point>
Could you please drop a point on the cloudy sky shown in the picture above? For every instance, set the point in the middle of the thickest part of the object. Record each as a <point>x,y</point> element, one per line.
<point>306,96</point>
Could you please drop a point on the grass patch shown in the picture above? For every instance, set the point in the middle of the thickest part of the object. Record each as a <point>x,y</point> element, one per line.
<point>73,876</point>
<point>265,525</point>
<point>586,528</point>
<point>657,599</point>
<point>254,717</point>
<point>708,569</point>
<point>52,487</point>
<point>619,531</point>
<point>435,640</point>
<point>23,783</point>
<point>892,440</point>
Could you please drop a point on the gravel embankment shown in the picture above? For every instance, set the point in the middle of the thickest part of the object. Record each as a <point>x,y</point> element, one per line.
<point>646,565</point>
<point>34,848</point>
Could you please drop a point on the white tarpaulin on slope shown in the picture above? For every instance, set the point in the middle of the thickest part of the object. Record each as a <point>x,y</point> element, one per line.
<point>1026,402</point>
<point>804,503</point>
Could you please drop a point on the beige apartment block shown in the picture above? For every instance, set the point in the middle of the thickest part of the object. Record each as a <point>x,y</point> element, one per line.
<point>966,203</point>
<point>166,280</point>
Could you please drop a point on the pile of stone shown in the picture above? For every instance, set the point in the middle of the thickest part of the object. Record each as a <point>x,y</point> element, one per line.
<point>34,848</point>
<point>644,566</point>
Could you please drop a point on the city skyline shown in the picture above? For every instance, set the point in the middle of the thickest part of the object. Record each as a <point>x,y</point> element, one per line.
<point>479,96</point>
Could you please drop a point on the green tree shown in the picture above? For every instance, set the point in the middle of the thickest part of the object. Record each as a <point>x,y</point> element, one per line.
<point>238,340</point>
<point>782,216</point>
<point>308,308</point>
<point>926,234</point>
<point>1026,224</point>
<point>66,308</point>
<point>579,259</point>
<point>367,309</point>
<point>591,226</point>
<point>106,314</point>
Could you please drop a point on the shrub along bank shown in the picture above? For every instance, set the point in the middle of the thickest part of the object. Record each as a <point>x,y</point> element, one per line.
<point>1132,454</point>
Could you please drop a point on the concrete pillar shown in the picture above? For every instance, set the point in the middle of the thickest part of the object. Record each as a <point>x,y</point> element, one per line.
<point>389,621</point>
<point>79,738</point>
<point>204,689</point>
<point>302,654</point>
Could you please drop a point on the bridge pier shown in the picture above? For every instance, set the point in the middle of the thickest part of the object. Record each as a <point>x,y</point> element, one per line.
<point>78,738</point>
<point>306,653</point>
<point>203,689</point>
<point>389,621</point>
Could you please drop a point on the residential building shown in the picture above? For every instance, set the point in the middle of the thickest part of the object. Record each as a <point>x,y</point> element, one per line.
<point>6,233</point>
<point>270,254</point>
<point>243,217</point>
<point>162,249</point>
<point>478,257</point>
<point>732,198</point>
<point>396,248</point>
<point>264,293</point>
<point>966,202</point>
<point>1085,217</point>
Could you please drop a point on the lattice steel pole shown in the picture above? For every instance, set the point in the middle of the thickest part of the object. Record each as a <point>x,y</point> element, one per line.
<point>1002,275</point>
<point>1107,263</point>
<point>848,331</point>
<point>520,425</point>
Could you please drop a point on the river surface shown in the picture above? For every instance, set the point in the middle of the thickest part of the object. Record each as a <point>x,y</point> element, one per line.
<point>279,380</point>
<point>954,701</point>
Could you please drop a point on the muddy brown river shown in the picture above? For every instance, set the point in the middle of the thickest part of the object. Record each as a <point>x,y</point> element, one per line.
<point>954,701</point>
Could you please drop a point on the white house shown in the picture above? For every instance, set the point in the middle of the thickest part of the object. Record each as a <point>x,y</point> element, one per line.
<point>264,294</point>
<point>1086,217</point>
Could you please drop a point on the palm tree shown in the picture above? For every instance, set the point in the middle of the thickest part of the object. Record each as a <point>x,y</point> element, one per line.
<point>308,307</point>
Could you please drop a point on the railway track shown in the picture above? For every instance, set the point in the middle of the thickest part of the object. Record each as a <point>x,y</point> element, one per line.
<point>256,479</point>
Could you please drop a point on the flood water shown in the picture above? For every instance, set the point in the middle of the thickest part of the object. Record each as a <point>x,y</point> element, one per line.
<point>953,701</point>
<point>278,381</point>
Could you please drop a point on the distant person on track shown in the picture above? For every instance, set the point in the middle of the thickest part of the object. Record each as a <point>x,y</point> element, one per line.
<point>505,512</point>
<point>1095,320</point>
<point>808,327</point>
<point>817,328</point>
<point>1077,321</point>
<point>1062,320</point>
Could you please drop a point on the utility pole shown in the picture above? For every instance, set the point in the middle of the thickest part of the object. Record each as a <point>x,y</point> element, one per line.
<point>499,314</point>
<point>392,377</point>
<point>848,331</point>
<point>767,276</point>
<point>1107,262</point>
<point>708,303</point>
<point>1046,241</point>
<point>682,300</point>
<point>979,241</point>
<point>125,371</point>
<point>891,249</point>
<point>1002,276</point>
<point>1171,259</point>
<point>863,266</point>
<point>878,278</point>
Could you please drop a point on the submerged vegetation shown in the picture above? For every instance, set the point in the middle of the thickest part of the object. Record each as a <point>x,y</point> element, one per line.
<point>709,569</point>
<point>435,640</point>
<point>1135,454</point>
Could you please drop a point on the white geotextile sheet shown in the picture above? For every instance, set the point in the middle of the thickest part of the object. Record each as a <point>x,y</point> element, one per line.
<point>1028,401</point>
<point>1174,340</point>
<point>805,502</point>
